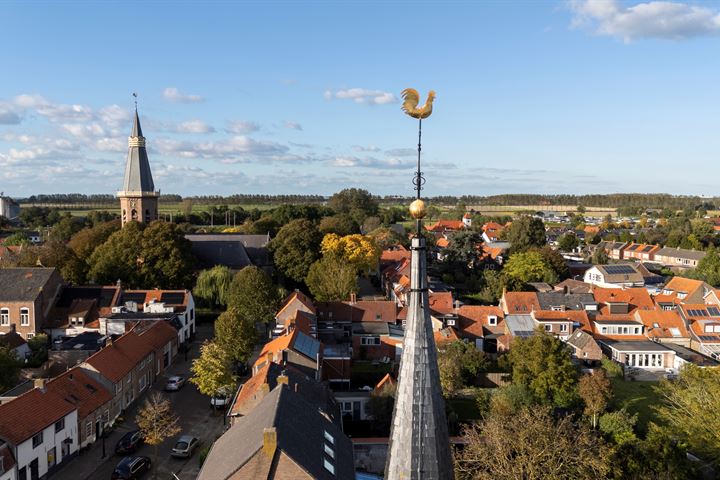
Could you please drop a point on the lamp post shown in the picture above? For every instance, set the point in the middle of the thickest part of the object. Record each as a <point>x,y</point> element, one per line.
<point>103,435</point>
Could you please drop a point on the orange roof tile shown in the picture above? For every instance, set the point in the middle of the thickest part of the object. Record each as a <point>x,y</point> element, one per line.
<point>299,297</point>
<point>360,311</point>
<point>636,298</point>
<point>474,320</point>
<point>445,335</point>
<point>387,380</point>
<point>665,320</point>
<point>441,302</point>
<point>442,242</point>
<point>80,390</point>
<point>443,225</point>
<point>682,284</point>
<point>520,302</point>
<point>698,328</point>
<point>275,346</point>
<point>30,413</point>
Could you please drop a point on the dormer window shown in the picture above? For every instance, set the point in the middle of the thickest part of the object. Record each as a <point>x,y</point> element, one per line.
<point>492,320</point>
<point>557,308</point>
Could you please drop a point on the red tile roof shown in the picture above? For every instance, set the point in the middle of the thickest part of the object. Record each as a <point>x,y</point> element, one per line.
<point>445,335</point>
<point>273,347</point>
<point>30,413</point>
<point>443,225</point>
<point>665,319</point>
<point>441,302</point>
<point>300,297</point>
<point>80,390</point>
<point>474,320</point>
<point>682,284</point>
<point>387,380</point>
<point>520,302</point>
<point>360,311</point>
<point>636,298</point>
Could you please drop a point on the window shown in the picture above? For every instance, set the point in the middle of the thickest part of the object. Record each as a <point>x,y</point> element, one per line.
<point>4,316</point>
<point>370,341</point>
<point>142,383</point>
<point>548,327</point>
<point>24,316</point>
<point>378,316</point>
<point>329,451</point>
<point>563,327</point>
<point>329,437</point>
<point>492,320</point>
<point>88,429</point>
<point>60,425</point>
<point>37,440</point>
<point>107,416</point>
<point>347,406</point>
<point>30,335</point>
<point>118,387</point>
<point>328,466</point>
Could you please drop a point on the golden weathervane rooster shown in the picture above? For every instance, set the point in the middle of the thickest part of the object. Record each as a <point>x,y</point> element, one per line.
<point>411,98</point>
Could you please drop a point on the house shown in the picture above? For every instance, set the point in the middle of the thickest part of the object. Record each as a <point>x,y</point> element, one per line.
<point>445,336</point>
<point>7,462</point>
<point>337,363</point>
<point>376,341</point>
<point>293,348</point>
<point>283,437</point>
<point>288,313</point>
<point>272,374</point>
<point>562,301</point>
<point>130,364</point>
<point>40,430</point>
<point>492,231</point>
<point>573,286</point>
<point>9,208</point>
<point>79,309</point>
<point>335,318</point>
<point>704,326</point>
<point>622,301</point>
<point>614,250</point>
<point>687,290</point>
<point>678,257</point>
<point>163,303</point>
<point>642,354</point>
<point>584,346</point>
<point>560,323</point>
<point>354,403</point>
<point>233,250</point>
<point>482,325</point>
<point>442,226</point>
<point>641,251</point>
<point>26,297</point>
<point>67,352</point>
<point>664,326</point>
<point>15,342</point>
<point>685,356</point>
<point>520,303</point>
<point>92,400</point>
<point>617,275</point>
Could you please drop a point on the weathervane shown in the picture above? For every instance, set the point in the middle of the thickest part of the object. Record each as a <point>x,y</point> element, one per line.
<point>411,98</point>
<point>135,95</point>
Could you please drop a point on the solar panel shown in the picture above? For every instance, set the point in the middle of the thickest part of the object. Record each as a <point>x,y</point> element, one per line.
<point>698,312</point>
<point>619,269</point>
<point>714,311</point>
<point>173,298</point>
<point>306,345</point>
<point>647,249</point>
<point>707,338</point>
<point>137,297</point>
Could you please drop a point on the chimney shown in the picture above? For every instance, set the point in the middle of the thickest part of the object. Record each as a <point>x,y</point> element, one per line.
<point>269,441</point>
<point>40,383</point>
<point>282,378</point>
<point>565,289</point>
<point>269,357</point>
<point>353,298</point>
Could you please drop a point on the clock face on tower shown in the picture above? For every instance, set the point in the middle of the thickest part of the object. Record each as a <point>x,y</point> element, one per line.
<point>133,203</point>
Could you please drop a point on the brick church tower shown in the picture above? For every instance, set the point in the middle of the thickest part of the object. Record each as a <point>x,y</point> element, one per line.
<point>138,198</point>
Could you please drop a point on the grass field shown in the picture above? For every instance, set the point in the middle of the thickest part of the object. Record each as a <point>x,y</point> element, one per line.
<point>636,397</point>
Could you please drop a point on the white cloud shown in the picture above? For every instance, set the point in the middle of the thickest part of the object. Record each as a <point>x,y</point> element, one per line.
<point>362,95</point>
<point>292,125</point>
<point>370,162</point>
<point>655,19</point>
<point>53,111</point>
<point>402,152</point>
<point>83,130</point>
<point>172,94</point>
<point>363,148</point>
<point>192,126</point>
<point>241,127</point>
<point>234,147</point>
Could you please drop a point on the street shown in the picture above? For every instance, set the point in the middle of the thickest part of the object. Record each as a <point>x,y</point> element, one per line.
<point>197,418</point>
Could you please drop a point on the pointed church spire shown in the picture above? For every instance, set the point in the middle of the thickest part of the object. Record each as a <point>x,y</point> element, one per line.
<point>419,445</point>
<point>138,198</point>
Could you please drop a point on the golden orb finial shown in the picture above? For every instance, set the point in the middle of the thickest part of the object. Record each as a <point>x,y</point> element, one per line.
<point>417,209</point>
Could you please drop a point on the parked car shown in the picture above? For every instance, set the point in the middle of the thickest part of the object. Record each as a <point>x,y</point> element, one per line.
<point>131,468</point>
<point>221,399</point>
<point>129,443</point>
<point>175,383</point>
<point>185,446</point>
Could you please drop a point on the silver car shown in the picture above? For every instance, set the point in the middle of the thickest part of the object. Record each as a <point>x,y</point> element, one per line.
<point>174,383</point>
<point>185,446</point>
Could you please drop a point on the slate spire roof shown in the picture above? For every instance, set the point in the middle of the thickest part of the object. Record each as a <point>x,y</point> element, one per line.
<point>138,177</point>
<point>419,446</point>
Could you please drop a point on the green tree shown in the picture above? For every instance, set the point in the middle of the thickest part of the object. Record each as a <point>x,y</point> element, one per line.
<point>599,257</point>
<point>212,371</point>
<point>157,422</point>
<point>9,367</point>
<point>380,408</point>
<point>296,247</point>
<point>460,363</point>
<point>555,262</point>
<point>542,363</point>
<point>58,255</point>
<point>701,228</point>
<point>596,392</point>
<point>464,248</point>
<point>527,267</point>
<point>84,242</point>
<point>526,232</point>
<point>65,229</point>
<point>235,335</point>
<point>708,268</point>
<point>332,279</point>
<point>619,426</point>
<point>212,285</point>
<point>568,242</point>
<point>531,445</point>
<point>341,224</point>
<point>689,409</point>
<point>355,201</point>
<point>16,239</point>
<point>253,295</point>
<point>385,237</point>
<point>119,258</point>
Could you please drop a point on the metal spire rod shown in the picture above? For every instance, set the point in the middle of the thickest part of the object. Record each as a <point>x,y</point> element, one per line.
<point>135,95</point>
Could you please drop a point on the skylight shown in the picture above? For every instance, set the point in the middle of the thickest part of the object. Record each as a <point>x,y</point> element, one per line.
<point>329,437</point>
<point>329,466</point>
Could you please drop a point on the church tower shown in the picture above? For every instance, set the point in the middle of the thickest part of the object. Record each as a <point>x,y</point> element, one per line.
<point>138,198</point>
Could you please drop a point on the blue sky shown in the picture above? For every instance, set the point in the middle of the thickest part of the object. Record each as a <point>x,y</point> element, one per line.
<point>302,97</point>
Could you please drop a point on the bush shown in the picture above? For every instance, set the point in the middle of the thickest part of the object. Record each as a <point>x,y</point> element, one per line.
<point>613,369</point>
<point>203,455</point>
